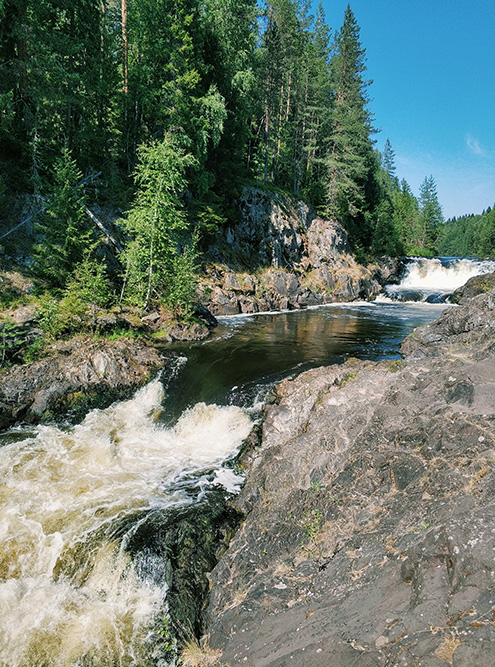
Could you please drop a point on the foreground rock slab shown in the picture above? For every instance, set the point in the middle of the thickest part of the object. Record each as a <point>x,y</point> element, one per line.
<point>369,536</point>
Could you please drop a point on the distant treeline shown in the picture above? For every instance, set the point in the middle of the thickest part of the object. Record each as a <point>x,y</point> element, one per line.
<point>166,108</point>
<point>468,236</point>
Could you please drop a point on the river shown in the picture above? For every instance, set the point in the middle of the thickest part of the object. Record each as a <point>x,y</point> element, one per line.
<point>75,590</point>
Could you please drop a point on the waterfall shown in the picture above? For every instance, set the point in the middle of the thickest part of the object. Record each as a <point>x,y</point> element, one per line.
<point>433,279</point>
<point>71,498</point>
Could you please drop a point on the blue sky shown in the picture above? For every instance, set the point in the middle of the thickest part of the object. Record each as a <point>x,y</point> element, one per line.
<point>433,93</point>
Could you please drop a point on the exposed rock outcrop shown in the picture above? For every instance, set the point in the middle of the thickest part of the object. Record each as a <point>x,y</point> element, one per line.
<point>78,375</point>
<point>369,536</point>
<point>282,256</point>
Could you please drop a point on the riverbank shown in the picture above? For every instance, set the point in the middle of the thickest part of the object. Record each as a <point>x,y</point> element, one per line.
<point>369,529</point>
<point>281,255</point>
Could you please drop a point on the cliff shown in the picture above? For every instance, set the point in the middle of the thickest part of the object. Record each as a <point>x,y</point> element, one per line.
<point>369,527</point>
<point>281,255</point>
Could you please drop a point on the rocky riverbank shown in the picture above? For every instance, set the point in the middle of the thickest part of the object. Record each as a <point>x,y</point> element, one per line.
<point>281,255</point>
<point>369,535</point>
<point>76,376</point>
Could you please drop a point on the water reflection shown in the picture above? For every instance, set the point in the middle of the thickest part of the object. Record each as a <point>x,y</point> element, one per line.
<point>248,353</point>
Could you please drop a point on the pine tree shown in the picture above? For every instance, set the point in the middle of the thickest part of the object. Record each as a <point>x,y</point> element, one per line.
<point>430,212</point>
<point>351,160</point>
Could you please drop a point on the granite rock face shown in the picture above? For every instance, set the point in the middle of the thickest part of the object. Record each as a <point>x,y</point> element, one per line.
<point>75,373</point>
<point>281,255</point>
<point>369,536</point>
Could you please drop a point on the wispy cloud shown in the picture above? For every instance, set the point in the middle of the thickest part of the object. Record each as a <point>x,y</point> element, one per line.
<point>474,145</point>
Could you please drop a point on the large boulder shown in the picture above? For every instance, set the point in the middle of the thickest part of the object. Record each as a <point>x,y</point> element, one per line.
<point>369,527</point>
<point>76,376</point>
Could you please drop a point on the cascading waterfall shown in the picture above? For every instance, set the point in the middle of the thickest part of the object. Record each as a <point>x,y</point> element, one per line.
<point>433,279</point>
<point>69,591</point>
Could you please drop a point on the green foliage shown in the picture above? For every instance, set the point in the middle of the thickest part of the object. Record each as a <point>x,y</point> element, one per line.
<point>35,351</point>
<point>75,311</point>
<point>159,258</point>
<point>350,162</point>
<point>311,523</point>
<point>181,280</point>
<point>386,238</point>
<point>468,236</point>
<point>7,339</point>
<point>168,642</point>
<point>241,90</point>
<point>57,318</point>
<point>64,234</point>
<point>430,213</point>
<point>90,283</point>
<point>123,333</point>
<point>389,159</point>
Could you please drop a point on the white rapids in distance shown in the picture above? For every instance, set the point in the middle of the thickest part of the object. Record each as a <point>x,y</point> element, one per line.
<point>426,278</point>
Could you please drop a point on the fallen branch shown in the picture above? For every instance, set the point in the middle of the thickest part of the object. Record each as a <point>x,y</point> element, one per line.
<point>105,231</point>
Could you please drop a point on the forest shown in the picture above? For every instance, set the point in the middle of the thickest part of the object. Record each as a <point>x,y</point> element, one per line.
<point>163,110</point>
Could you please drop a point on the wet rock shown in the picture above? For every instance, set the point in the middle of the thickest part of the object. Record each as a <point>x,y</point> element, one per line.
<point>473,287</point>
<point>370,525</point>
<point>205,316</point>
<point>390,270</point>
<point>178,549</point>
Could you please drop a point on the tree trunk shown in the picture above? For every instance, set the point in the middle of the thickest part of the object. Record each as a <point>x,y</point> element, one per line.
<point>125,50</point>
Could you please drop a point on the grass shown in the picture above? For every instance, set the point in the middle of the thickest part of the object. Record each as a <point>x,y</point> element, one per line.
<point>194,655</point>
<point>445,651</point>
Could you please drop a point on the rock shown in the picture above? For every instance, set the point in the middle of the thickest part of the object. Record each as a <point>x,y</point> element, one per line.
<point>473,287</point>
<point>291,257</point>
<point>390,270</point>
<point>77,375</point>
<point>151,318</point>
<point>369,526</point>
<point>205,316</point>
<point>187,331</point>
<point>326,242</point>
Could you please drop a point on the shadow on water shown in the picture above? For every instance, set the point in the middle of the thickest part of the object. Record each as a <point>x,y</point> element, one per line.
<point>248,354</point>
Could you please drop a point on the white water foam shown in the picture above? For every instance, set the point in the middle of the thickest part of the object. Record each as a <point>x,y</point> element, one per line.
<point>423,273</point>
<point>68,592</point>
<point>429,277</point>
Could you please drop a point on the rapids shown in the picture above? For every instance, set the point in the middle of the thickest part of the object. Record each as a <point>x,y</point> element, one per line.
<point>433,279</point>
<point>69,591</point>
<point>84,509</point>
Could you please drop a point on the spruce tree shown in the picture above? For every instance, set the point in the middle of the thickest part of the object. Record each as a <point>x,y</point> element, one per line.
<point>316,116</point>
<point>65,237</point>
<point>158,257</point>
<point>388,160</point>
<point>430,213</point>
<point>406,216</point>
<point>350,161</point>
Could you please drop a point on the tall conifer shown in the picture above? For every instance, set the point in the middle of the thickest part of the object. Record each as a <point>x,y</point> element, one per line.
<point>430,212</point>
<point>350,160</point>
